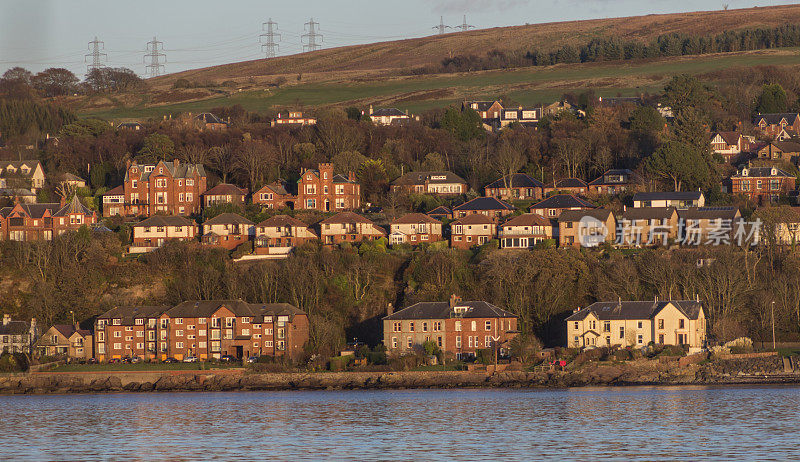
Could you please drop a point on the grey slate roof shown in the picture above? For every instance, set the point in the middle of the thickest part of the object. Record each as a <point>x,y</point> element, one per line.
<point>562,201</point>
<point>569,183</point>
<point>183,170</point>
<point>775,118</point>
<point>648,213</point>
<point>517,180</point>
<point>484,203</point>
<point>708,213</point>
<point>127,314</point>
<point>618,310</point>
<point>257,311</point>
<point>761,172</point>
<point>224,189</point>
<point>228,219</point>
<point>75,206</point>
<point>441,210</point>
<point>442,310</point>
<point>576,215</point>
<point>389,111</point>
<point>34,210</point>
<point>15,328</point>
<point>668,195</point>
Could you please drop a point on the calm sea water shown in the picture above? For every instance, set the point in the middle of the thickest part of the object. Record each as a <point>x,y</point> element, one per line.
<point>742,423</point>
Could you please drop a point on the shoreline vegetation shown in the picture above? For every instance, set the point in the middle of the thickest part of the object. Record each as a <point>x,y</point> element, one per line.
<point>665,372</point>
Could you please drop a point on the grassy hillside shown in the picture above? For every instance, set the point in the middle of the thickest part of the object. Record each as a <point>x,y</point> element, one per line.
<point>527,85</point>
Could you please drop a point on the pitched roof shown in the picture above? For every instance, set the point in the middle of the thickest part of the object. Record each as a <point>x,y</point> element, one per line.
<point>761,172</point>
<point>282,221</point>
<point>577,215</point>
<point>630,174</point>
<point>15,328</point>
<point>442,310</point>
<point>648,213</point>
<point>527,219</point>
<point>228,219</point>
<point>516,180</point>
<point>668,196</point>
<point>417,178</point>
<point>118,191</point>
<point>34,210</point>
<point>569,183</point>
<point>277,188</point>
<point>411,218</point>
<point>17,165</point>
<point>209,118</point>
<point>482,105</point>
<point>67,330</point>
<point>127,314</point>
<point>787,146</point>
<point>474,219</point>
<point>346,217</point>
<point>708,213</point>
<point>484,203</point>
<point>165,220</point>
<point>775,118</point>
<point>183,170</point>
<point>225,189</point>
<point>441,210</point>
<point>562,201</point>
<point>206,308</point>
<point>74,206</point>
<point>606,311</point>
<point>389,111</point>
<point>730,138</point>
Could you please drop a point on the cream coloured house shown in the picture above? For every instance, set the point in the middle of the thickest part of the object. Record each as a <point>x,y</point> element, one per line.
<point>278,235</point>
<point>414,229</point>
<point>27,174</point>
<point>155,231</point>
<point>637,323</point>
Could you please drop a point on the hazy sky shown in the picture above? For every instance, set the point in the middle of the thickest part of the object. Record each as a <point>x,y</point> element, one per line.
<point>37,34</point>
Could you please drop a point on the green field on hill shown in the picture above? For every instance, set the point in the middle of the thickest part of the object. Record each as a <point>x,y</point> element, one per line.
<point>528,86</point>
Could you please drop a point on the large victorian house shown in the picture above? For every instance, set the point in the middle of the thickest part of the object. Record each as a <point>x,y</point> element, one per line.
<point>167,187</point>
<point>31,222</point>
<point>323,190</point>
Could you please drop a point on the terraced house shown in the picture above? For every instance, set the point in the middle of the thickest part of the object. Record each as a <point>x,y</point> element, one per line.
<point>459,328</point>
<point>170,188</point>
<point>637,323</point>
<point>323,190</point>
<point>33,222</point>
<point>17,336</point>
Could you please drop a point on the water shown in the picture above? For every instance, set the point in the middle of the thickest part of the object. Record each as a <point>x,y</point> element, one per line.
<point>640,423</point>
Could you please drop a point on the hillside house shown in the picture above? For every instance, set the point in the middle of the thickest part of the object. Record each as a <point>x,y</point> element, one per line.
<point>787,151</point>
<point>729,145</point>
<point>553,206</point>
<point>274,196</point>
<point>348,227</point>
<point>67,341</point>
<point>22,174</point>
<point>35,222</point>
<point>114,202</point>
<point>224,193</point>
<point>708,225</point>
<point>567,186</point>
<point>773,124</point>
<point>587,228</point>
<point>17,336</point>
<point>173,188</point>
<point>157,230</point>
<point>441,213</point>
<point>524,231</point>
<point>648,226</point>
<point>517,186</point>
<point>762,184</point>
<point>415,229</point>
<point>387,116</point>
<point>293,119</point>
<point>278,235</point>
<point>677,199</point>
<point>489,206</point>
<point>227,230</point>
<point>472,230</point>
<point>325,191</point>
<point>436,183</point>
<point>527,117</point>
<point>616,181</point>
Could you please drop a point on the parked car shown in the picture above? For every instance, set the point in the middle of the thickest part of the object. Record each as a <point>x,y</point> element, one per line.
<point>170,360</point>
<point>228,358</point>
<point>91,361</point>
<point>113,361</point>
<point>190,359</point>
<point>252,359</point>
<point>135,360</point>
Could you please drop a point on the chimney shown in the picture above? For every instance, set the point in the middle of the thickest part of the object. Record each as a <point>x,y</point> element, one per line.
<point>351,176</point>
<point>370,109</point>
<point>63,201</point>
<point>176,162</point>
<point>389,310</point>
<point>6,319</point>
<point>454,300</point>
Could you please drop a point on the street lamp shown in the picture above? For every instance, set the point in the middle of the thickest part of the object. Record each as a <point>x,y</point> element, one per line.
<point>773,325</point>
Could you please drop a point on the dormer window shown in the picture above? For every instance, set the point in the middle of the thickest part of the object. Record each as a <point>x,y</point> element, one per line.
<point>460,309</point>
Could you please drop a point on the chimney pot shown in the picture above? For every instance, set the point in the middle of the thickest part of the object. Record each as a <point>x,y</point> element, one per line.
<point>454,300</point>
<point>6,319</point>
<point>389,310</point>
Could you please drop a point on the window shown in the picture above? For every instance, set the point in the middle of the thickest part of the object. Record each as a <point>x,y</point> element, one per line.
<point>410,342</point>
<point>576,325</point>
<point>201,321</point>
<point>681,324</point>
<point>201,332</point>
<point>621,332</point>
<point>394,342</point>
<point>458,341</point>
<point>458,327</point>
<point>179,333</point>
<point>488,325</point>
<point>411,326</point>
<point>487,341</point>
<point>639,339</point>
<point>606,326</point>
<point>660,323</point>
<point>268,344</point>
<point>424,327</point>
<point>178,320</point>
<point>214,322</point>
<point>117,334</point>
<point>189,182</point>
<point>245,320</point>
<point>396,326</point>
<point>179,345</point>
<point>474,326</point>
<point>639,325</point>
<point>245,331</point>
<point>117,346</point>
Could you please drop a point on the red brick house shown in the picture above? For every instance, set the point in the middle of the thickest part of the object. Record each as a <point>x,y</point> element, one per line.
<point>436,183</point>
<point>441,213</point>
<point>114,202</point>
<point>274,196</point>
<point>278,235</point>
<point>554,205</point>
<point>762,184</point>
<point>773,124</point>
<point>415,229</point>
<point>348,227</point>
<point>459,328</point>
<point>488,206</point>
<point>155,231</point>
<point>323,190</point>
<point>224,193</point>
<point>228,230</point>
<point>472,230</point>
<point>202,329</point>
<point>518,186</point>
<point>616,181</point>
<point>33,222</point>
<point>167,187</point>
<point>787,151</point>
<point>489,111</point>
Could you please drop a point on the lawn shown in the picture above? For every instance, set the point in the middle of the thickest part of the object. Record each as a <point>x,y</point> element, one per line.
<point>529,86</point>
<point>143,367</point>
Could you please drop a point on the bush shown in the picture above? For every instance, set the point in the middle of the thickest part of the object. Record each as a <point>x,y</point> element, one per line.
<point>13,362</point>
<point>242,250</point>
<point>339,363</point>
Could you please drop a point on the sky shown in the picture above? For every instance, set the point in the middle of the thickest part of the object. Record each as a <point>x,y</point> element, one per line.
<point>38,34</point>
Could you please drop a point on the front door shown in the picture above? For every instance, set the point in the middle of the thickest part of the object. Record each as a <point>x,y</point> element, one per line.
<point>238,351</point>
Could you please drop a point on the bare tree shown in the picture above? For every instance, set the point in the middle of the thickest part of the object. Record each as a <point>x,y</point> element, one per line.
<point>510,158</point>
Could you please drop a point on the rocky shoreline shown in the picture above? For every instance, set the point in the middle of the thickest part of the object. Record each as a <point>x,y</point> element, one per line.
<point>591,374</point>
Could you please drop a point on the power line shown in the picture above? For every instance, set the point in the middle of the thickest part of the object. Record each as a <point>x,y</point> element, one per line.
<point>271,47</point>
<point>154,67</point>
<point>95,47</point>
<point>441,27</point>
<point>464,26</point>
<point>311,36</point>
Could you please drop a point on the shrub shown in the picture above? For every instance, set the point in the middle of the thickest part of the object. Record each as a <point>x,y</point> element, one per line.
<point>13,362</point>
<point>242,250</point>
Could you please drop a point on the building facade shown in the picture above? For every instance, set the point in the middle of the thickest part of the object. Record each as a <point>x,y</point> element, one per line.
<point>228,230</point>
<point>170,188</point>
<point>415,229</point>
<point>278,235</point>
<point>348,227</point>
<point>436,183</point>
<point>157,230</point>
<point>325,191</point>
<point>472,230</point>
<point>524,231</point>
<point>35,222</point>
